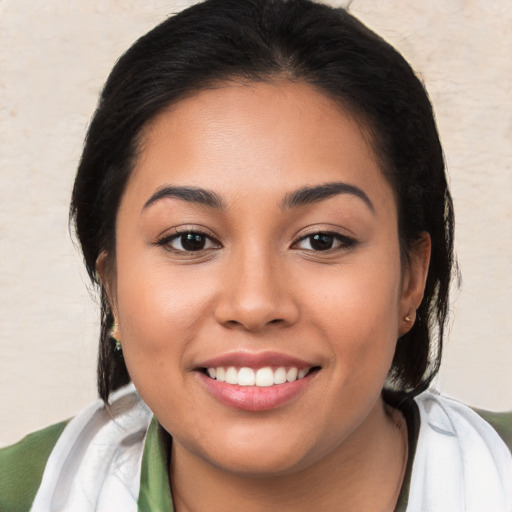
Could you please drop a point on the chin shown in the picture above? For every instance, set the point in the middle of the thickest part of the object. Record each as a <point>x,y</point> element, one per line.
<point>260,452</point>
<point>263,463</point>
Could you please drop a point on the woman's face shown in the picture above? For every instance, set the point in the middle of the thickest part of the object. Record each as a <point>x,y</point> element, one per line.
<point>258,286</point>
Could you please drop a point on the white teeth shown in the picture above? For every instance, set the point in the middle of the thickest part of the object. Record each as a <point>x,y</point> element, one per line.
<point>280,376</point>
<point>221,374</point>
<point>231,375</point>
<point>246,377</point>
<point>302,373</point>
<point>291,374</point>
<point>263,377</point>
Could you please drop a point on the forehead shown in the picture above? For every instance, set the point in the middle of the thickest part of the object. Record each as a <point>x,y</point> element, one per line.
<point>256,137</point>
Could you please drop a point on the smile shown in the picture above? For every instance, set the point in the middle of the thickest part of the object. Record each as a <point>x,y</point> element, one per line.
<point>256,382</point>
<point>261,377</point>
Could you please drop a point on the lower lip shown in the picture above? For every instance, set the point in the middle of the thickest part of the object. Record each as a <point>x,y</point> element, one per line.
<point>254,398</point>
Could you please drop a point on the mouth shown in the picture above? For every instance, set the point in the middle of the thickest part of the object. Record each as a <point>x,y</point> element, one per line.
<point>262,377</point>
<point>256,382</point>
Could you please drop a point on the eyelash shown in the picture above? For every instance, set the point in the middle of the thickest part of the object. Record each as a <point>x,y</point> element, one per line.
<point>344,242</point>
<point>168,239</point>
<point>340,242</point>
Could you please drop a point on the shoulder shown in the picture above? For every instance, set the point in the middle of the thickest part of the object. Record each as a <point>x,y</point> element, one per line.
<point>452,427</point>
<point>460,459</point>
<point>22,466</point>
<point>446,411</point>
<point>501,422</point>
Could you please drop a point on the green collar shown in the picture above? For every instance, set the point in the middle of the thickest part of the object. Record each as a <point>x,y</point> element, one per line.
<point>155,491</point>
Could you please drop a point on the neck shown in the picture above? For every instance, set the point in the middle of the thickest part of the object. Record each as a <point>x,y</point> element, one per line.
<point>364,473</point>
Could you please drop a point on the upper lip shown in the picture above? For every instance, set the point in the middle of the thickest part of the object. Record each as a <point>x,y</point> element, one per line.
<point>256,360</point>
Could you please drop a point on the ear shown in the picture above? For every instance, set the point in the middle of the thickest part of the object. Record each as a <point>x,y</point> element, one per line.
<point>107,279</point>
<point>413,282</point>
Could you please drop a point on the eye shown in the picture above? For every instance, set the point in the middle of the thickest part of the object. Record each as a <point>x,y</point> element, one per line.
<point>188,241</point>
<point>324,242</point>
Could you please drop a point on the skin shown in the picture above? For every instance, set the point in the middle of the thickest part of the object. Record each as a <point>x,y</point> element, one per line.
<point>259,286</point>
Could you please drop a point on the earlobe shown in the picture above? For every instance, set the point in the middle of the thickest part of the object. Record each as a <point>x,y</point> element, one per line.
<point>105,277</point>
<point>115,335</point>
<point>415,278</point>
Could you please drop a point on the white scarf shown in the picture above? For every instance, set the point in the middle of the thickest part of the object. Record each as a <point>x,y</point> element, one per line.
<point>461,464</point>
<point>96,463</point>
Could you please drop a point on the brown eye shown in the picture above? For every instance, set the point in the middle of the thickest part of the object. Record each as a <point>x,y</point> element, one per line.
<point>192,241</point>
<point>319,242</point>
<point>189,241</point>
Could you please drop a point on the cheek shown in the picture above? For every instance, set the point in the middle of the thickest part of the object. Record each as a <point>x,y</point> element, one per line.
<point>357,308</point>
<point>155,300</point>
<point>160,309</point>
<point>160,314</point>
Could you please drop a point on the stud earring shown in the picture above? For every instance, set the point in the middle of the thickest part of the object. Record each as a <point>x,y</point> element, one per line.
<point>117,343</point>
<point>410,317</point>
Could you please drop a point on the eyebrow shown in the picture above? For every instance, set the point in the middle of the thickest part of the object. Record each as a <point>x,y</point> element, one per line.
<point>300,197</point>
<point>315,194</point>
<point>190,194</point>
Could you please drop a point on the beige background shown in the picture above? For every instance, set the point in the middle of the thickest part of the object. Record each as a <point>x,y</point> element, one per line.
<point>54,57</point>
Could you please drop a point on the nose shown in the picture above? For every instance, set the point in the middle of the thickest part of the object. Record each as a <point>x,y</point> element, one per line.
<point>256,293</point>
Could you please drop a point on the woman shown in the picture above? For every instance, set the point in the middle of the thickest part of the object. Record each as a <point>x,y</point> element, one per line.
<point>262,201</point>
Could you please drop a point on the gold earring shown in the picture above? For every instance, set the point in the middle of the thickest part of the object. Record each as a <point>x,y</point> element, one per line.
<point>113,330</point>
